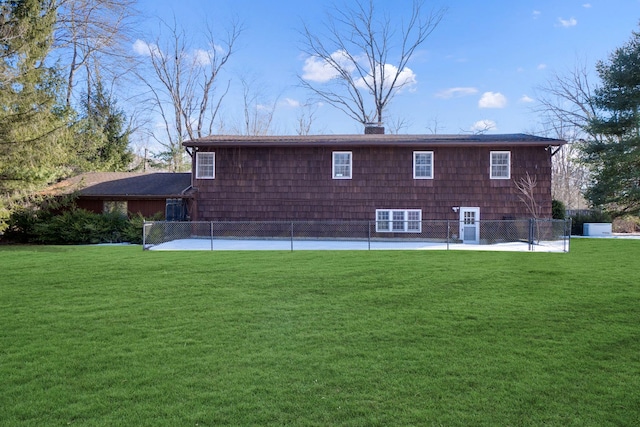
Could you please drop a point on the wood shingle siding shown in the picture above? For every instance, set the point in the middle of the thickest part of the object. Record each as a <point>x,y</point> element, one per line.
<point>283,181</point>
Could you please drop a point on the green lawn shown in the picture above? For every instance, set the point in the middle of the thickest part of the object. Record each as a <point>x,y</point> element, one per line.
<point>115,336</point>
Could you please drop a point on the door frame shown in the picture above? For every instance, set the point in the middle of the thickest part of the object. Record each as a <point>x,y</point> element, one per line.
<point>476,211</point>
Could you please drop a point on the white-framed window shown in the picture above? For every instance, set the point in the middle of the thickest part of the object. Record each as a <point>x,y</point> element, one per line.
<point>500,165</point>
<point>423,165</point>
<point>205,165</point>
<point>398,220</point>
<point>382,220</point>
<point>341,165</point>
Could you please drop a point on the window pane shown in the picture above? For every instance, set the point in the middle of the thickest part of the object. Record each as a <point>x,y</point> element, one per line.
<point>205,167</point>
<point>413,223</point>
<point>398,221</point>
<point>115,206</point>
<point>342,165</point>
<point>499,165</point>
<point>382,221</point>
<point>422,164</point>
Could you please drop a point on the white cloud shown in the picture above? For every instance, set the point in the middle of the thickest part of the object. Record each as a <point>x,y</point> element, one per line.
<point>492,100</point>
<point>587,5</point>
<point>291,103</point>
<point>264,107</point>
<point>536,14</point>
<point>318,70</point>
<point>202,57</point>
<point>143,48</point>
<point>526,99</point>
<point>542,66</point>
<point>484,125</point>
<point>456,92</point>
<point>566,23</point>
<point>407,78</point>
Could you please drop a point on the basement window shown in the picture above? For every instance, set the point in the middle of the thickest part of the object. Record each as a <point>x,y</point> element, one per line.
<point>398,220</point>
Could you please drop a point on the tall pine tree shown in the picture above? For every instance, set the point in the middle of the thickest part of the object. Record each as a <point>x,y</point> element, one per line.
<point>102,134</point>
<point>34,134</point>
<point>614,157</point>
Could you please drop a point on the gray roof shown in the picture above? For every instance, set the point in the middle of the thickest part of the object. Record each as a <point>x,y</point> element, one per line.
<point>161,184</point>
<point>362,140</point>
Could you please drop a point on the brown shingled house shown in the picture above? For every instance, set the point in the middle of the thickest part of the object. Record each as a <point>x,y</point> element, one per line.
<point>391,179</point>
<point>146,193</point>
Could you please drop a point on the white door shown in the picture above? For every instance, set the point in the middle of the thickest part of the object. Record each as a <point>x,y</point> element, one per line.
<point>470,225</point>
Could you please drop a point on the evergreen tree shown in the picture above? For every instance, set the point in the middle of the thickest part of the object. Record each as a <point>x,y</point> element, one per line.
<point>614,157</point>
<point>103,134</point>
<point>34,134</point>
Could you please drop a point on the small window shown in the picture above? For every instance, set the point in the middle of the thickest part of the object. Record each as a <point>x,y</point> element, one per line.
<point>342,165</point>
<point>414,222</point>
<point>398,220</point>
<point>115,206</point>
<point>382,220</point>
<point>423,165</point>
<point>205,165</point>
<point>500,165</point>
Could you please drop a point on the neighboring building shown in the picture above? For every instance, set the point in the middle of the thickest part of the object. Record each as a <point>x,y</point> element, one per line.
<point>149,194</point>
<point>392,179</point>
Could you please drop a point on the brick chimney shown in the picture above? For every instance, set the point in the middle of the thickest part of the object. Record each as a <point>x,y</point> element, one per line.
<point>373,128</point>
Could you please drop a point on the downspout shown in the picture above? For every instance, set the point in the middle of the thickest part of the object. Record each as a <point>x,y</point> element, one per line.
<point>554,152</point>
<point>192,206</point>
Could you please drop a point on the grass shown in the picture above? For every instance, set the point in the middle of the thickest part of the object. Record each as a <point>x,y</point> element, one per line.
<point>114,336</point>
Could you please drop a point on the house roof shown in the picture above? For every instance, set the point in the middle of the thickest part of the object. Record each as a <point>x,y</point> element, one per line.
<point>94,184</point>
<point>362,140</point>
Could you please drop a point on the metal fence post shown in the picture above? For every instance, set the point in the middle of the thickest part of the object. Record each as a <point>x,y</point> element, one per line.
<point>291,236</point>
<point>211,233</point>
<point>144,235</point>
<point>369,234</point>
<point>531,234</point>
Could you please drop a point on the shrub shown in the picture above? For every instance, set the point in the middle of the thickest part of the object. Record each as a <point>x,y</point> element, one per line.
<point>48,223</point>
<point>558,210</point>
<point>577,221</point>
<point>79,226</point>
<point>31,211</point>
<point>626,224</point>
<point>132,232</point>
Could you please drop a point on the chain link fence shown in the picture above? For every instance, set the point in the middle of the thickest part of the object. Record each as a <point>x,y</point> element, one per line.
<point>518,235</point>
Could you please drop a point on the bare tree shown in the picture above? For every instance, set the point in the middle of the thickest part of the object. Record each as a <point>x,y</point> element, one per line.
<point>566,107</point>
<point>434,128</point>
<point>360,62</point>
<point>527,186</point>
<point>569,175</point>
<point>397,124</point>
<point>567,101</point>
<point>93,38</point>
<point>183,84</point>
<point>257,113</point>
<point>305,118</point>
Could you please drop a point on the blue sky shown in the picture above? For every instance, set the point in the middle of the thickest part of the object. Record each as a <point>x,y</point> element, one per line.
<point>482,63</point>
